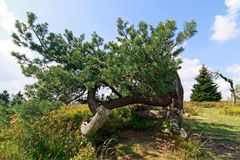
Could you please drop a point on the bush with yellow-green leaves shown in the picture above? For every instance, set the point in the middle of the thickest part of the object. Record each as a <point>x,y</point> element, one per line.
<point>42,134</point>
<point>231,110</point>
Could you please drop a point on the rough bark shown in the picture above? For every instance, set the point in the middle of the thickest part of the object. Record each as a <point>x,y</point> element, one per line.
<point>176,108</point>
<point>97,121</point>
<point>91,100</point>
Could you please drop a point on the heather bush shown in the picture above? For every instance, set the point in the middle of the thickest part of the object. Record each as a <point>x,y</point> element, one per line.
<point>86,153</point>
<point>192,108</point>
<point>53,135</point>
<point>32,109</point>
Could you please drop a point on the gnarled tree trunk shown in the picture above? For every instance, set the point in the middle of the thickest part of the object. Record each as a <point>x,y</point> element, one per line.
<point>172,104</point>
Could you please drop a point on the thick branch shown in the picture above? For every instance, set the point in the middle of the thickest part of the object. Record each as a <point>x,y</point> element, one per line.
<point>230,81</point>
<point>227,80</point>
<point>119,102</point>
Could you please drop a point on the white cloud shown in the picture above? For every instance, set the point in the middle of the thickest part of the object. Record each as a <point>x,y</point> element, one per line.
<point>7,18</point>
<point>234,69</point>
<point>226,26</point>
<point>11,78</point>
<point>233,6</point>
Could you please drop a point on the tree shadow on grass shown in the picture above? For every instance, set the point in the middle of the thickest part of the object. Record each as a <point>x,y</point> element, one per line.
<point>221,132</point>
<point>222,139</point>
<point>128,150</point>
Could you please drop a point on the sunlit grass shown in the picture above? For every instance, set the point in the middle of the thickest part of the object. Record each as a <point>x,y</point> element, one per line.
<point>213,122</point>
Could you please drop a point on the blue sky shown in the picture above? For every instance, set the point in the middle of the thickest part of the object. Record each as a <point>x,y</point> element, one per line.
<point>216,45</point>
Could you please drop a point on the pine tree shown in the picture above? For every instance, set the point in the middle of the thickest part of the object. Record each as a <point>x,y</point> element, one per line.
<point>17,98</point>
<point>205,89</point>
<point>139,66</point>
<point>5,97</point>
<point>142,61</point>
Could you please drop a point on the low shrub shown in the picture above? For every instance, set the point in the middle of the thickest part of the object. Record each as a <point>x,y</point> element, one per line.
<point>35,108</point>
<point>118,119</point>
<point>231,110</point>
<point>5,116</point>
<point>192,108</point>
<point>56,134</point>
<point>86,153</point>
<point>137,123</point>
<point>6,113</point>
<point>125,118</point>
<point>211,104</point>
<point>9,149</point>
<point>43,130</point>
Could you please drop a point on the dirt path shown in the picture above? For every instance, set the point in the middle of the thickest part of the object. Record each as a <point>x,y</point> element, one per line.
<point>144,145</point>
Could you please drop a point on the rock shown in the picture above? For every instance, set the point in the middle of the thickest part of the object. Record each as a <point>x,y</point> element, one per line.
<point>183,133</point>
<point>186,115</point>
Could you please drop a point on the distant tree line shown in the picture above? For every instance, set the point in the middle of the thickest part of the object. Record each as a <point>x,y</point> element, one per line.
<point>5,98</point>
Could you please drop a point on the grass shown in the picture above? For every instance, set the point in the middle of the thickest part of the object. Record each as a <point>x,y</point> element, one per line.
<point>159,146</point>
<point>212,135</point>
<point>129,149</point>
<point>221,132</point>
<point>215,124</point>
<point>231,110</point>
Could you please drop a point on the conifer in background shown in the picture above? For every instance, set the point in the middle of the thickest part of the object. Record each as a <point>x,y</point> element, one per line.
<point>5,96</point>
<point>205,89</point>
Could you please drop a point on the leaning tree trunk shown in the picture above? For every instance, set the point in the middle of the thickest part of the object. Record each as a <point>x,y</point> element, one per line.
<point>89,128</point>
<point>172,103</point>
<point>102,112</point>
